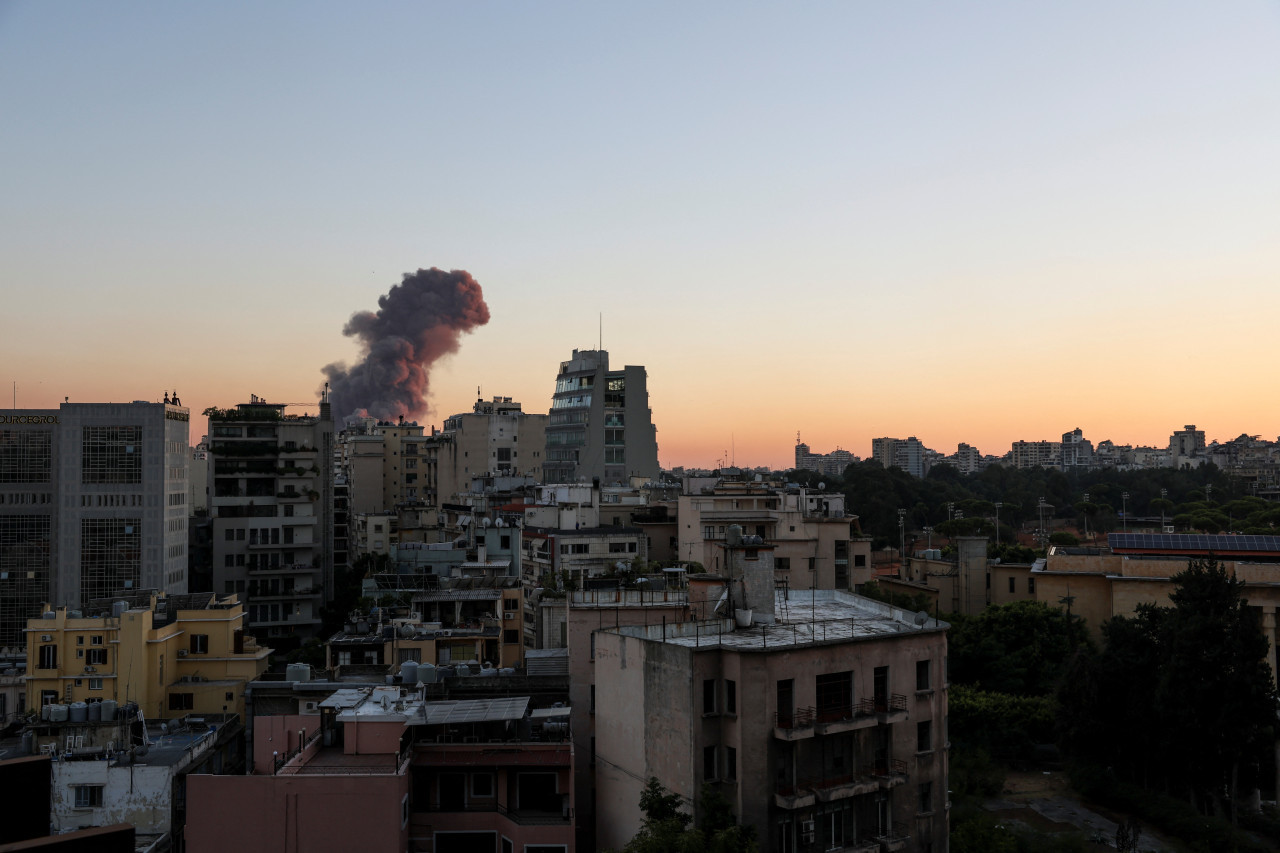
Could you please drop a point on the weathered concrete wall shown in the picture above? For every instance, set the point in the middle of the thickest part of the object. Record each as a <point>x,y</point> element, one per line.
<point>295,814</point>
<point>378,737</point>
<point>138,794</point>
<point>279,734</point>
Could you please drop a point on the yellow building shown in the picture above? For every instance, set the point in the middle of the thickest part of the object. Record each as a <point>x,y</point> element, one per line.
<point>173,655</point>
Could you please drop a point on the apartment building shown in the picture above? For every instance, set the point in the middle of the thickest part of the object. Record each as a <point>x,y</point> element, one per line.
<point>1036,454</point>
<point>815,544</point>
<point>93,499</point>
<point>169,654</point>
<point>820,715</point>
<point>828,464</point>
<point>271,508</point>
<point>600,426</point>
<point>386,772</point>
<point>497,438</point>
<point>909,454</point>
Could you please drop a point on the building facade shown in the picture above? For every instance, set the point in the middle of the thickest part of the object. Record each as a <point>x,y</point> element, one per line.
<point>600,426</point>
<point>93,500</point>
<point>271,508</point>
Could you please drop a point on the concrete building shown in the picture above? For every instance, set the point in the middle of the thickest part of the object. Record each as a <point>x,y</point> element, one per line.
<point>495,439</point>
<point>387,772</point>
<point>828,464</point>
<point>271,508</point>
<point>388,464</point>
<point>169,654</point>
<point>600,426</point>
<point>1186,447</point>
<point>815,544</point>
<point>93,499</point>
<point>819,715</point>
<point>905,453</point>
<point>1036,454</point>
<point>1075,451</point>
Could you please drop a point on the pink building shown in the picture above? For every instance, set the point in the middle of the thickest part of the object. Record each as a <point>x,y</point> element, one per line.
<point>386,771</point>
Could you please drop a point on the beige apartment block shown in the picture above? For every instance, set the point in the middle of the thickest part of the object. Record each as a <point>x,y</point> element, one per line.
<point>815,544</point>
<point>822,719</point>
<point>172,655</point>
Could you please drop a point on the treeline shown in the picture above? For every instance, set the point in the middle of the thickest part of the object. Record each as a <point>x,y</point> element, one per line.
<point>1203,499</point>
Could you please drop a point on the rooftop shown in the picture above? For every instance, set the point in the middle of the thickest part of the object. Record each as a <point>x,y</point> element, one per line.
<point>802,618</point>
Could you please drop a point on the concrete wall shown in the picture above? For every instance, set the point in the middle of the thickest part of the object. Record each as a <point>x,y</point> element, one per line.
<point>279,734</point>
<point>296,814</point>
<point>141,795</point>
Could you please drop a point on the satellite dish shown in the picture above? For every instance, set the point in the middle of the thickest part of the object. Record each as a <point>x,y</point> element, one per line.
<point>486,522</point>
<point>921,618</point>
<point>821,486</point>
<point>499,523</point>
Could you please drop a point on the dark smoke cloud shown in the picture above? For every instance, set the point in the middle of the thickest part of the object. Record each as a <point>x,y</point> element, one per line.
<point>418,321</point>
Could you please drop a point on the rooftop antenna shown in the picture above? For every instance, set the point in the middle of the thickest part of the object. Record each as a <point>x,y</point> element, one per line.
<point>601,344</point>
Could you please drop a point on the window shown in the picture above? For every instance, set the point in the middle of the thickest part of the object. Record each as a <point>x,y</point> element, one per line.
<point>96,657</point>
<point>730,697</point>
<point>199,644</point>
<point>924,736</point>
<point>344,658</point>
<point>923,675</point>
<point>592,707</point>
<point>95,683</point>
<point>708,531</point>
<point>1013,585</point>
<point>782,564</point>
<point>1031,585</point>
<point>482,784</point>
<point>181,701</point>
<point>709,696</point>
<point>926,797</point>
<point>730,763</point>
<point>95,640</point>
<point>88,796</point>
<point>49,657</point>
<point>859,559</point>
<point>835,695</point>
<point>79,641</point>
<point>709,763</point>
<point>511,635</point>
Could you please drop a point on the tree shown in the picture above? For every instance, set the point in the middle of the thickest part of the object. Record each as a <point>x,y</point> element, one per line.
<point>1181,698</point>
<point>1021,648</point>
<point>666,828</point>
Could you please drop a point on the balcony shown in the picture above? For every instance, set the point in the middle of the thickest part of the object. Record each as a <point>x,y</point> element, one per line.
<point>793,797</point>
<point>806,722</point>
<point>519,817</point>
<point>895,839</point>
<point>891,709</point>
<point>888,772</point>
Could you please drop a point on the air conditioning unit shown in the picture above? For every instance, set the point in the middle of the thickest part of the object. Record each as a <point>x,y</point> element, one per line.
<point>46,638</point>
<point>310,707</point>
<point>90,669</point>
<point>806,832</point>
<point>508,616</point>
<point>182,653</point>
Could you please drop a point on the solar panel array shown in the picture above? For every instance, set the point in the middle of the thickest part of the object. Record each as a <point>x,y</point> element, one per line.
<point>475,710</point>
<point>1187,542</point>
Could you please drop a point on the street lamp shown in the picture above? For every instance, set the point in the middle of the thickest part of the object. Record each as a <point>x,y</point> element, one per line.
<point>998,505</point>
<point>951,506</point>
<point>928,531</point>
<point>1086,516</point>
<point>1164,495</point>
<point>1124,509</point>
<point>902,536</point>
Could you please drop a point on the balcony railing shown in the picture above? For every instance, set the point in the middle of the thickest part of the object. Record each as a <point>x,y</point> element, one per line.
<point>522,817</point>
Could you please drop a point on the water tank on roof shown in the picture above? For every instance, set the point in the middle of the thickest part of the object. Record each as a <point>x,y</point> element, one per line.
<point>76,614</point>
<point>79,712</point>
<point>108,710</point>
<point>44,712</point>
<point>58,713</point>
<point>95,712</point>
<point>28,743</point>
<point>428,673</point>
<point>297,672</point>
<point>405,631</point>
<point>118,608</point>
<point>388,632</point>
<point>409,672</point>
<point>735,534</point>
<point>362,627</point>
<point>49,614</point>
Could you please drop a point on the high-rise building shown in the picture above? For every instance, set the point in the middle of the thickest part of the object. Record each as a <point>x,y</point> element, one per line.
<point>828,464</point>
<point>600,426</point>
<point>905,453</point>
<point>271,506</point>
<point>93,500</point>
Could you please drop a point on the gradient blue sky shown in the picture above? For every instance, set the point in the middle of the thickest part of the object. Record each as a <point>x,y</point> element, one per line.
<point>965,222</point>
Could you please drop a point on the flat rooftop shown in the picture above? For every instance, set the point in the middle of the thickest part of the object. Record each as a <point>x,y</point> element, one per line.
<point>801,618</point>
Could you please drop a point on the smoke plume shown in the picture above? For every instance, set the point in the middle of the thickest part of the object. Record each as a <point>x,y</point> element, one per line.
<point>417,321</point>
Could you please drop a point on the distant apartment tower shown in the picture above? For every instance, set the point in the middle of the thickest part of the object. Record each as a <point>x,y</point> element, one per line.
<point>1076,450</point>
<point>905,453</point>
<point>93,500</point>
<point>1185,445</point>
<point>495,439</point>
<point>828,464</point>
<point>1036,454</point>
<point>600,425</point>
<point>271,507</point>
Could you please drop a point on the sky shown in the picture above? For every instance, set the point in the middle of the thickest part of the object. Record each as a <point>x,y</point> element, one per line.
<point>967,222</point>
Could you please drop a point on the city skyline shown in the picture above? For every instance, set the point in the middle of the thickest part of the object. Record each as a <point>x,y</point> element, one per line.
<point>981,224</point>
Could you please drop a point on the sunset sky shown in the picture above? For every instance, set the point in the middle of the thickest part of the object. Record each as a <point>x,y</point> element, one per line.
<point>974,222</point>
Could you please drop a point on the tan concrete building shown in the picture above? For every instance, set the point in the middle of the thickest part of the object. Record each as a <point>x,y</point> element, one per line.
<point>815,544</point>
<point>1138,569</point>
<point>820,716</point>
<point>172,655</point>
<point>495,439</point>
